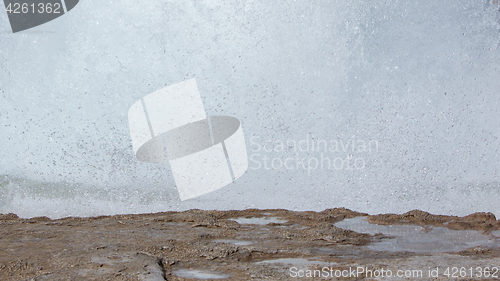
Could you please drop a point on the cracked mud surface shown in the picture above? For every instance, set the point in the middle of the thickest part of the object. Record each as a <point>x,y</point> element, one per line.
<point>211,244</point>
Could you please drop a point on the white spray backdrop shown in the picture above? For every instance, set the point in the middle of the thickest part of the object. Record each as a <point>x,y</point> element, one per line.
<point>413,87</point>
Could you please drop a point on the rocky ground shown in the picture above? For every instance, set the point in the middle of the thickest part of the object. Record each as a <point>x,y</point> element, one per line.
<point>268,245</point>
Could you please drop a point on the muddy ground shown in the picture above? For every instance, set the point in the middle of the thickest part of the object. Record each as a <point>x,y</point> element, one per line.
<point>211,244</point>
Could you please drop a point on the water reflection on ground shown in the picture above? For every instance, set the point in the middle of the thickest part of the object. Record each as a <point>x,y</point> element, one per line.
<point>415,238</point>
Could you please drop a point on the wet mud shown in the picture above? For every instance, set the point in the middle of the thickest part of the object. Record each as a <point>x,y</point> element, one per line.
<point>234,245</point>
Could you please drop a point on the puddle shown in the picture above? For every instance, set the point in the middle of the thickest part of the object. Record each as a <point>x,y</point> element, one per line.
<point>234,242</point>
<point>496,233</point>
<point>416,239</point>
<point>294,262</point>
<point>109,259</point>
<point>259,221</point>
<point>198,274</point>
